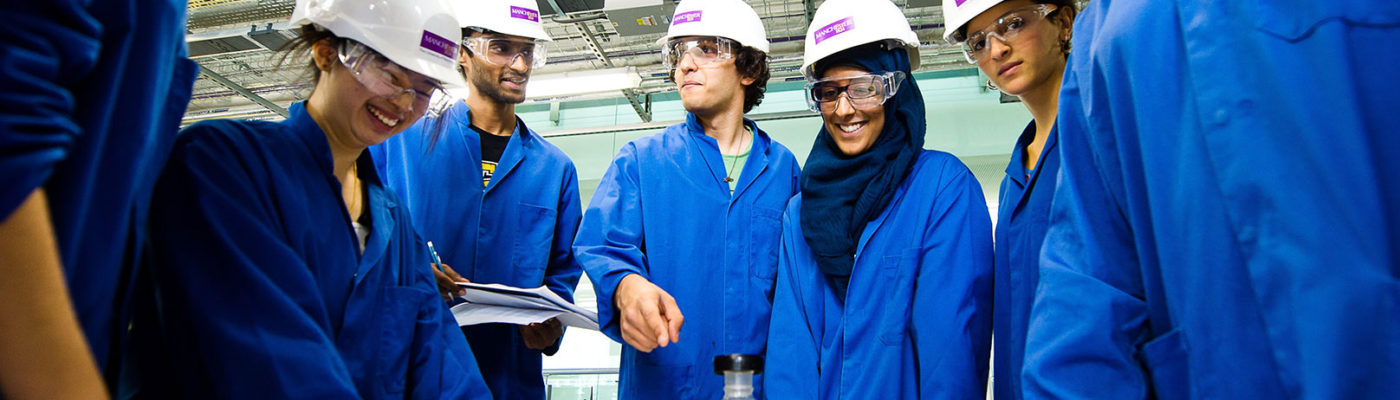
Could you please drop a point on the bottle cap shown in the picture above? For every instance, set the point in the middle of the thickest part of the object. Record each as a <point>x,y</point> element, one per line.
<point>739,362</point>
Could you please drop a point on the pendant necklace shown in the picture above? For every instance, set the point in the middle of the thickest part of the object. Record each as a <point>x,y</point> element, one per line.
<point>729,173</point>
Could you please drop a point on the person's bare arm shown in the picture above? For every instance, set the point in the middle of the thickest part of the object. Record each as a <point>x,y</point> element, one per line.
<point>43,354</point>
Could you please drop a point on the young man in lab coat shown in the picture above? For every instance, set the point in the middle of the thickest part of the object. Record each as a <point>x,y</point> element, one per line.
<point>681,236</point>
<point>499,202</point>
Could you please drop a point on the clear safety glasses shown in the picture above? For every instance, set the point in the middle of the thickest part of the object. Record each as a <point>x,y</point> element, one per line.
<point>1005,28</point>
<point>388,79</point>
<point>703,51</point>
<point>863,91</point>
<point>503,51</point>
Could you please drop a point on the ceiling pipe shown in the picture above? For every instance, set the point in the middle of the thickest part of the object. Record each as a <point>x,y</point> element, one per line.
<point>241,90</point>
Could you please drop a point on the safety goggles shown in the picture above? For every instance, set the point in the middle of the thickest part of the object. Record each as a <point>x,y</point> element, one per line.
<point>1005,28</point>
<point>503,51</point>
<point>863,91</point>
<point>703,50</point>
<point>390,80</point>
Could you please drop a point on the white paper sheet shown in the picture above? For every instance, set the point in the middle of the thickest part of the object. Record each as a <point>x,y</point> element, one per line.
<point>474,314</point>
<point>487,303</point>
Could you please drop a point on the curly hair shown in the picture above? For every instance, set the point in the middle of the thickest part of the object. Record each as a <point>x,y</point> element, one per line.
<point>753,63</point>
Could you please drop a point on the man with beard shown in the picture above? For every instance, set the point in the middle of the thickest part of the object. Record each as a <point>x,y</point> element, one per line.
<point>500,203</point>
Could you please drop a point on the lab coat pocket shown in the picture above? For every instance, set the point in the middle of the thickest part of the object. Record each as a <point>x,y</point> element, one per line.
<point>1296,19</point>
<point>898,281</point>
<point>398,313</point>
<point>534,233</point>
<point>657,378</point>
<point>1165,359</point>
<point>764,235</point>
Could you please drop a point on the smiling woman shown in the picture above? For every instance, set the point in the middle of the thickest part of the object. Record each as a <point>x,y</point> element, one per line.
<point>919,282</point>
<point>333,293</point>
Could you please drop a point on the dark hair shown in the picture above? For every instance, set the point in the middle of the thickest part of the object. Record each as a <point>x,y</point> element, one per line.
<point>752,63</point>
<point>302,45</point>
<point>1063,6</point>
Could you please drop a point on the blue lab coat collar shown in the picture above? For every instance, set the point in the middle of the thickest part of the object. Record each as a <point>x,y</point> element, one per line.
<point>522,142</point>
<point>1016,169</point>
<point>299,121</point>
<point>758,154</point>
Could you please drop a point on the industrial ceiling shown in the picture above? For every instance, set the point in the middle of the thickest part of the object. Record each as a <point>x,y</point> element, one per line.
<point>234,43</point>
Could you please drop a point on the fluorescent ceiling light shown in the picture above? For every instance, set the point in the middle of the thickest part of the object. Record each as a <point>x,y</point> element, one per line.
<point>579,83</point>
<point>572,85</point>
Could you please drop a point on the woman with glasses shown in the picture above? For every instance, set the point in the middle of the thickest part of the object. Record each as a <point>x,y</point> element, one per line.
<point>884,286</point>
<point>1022,45</point>
<point>283,268</point>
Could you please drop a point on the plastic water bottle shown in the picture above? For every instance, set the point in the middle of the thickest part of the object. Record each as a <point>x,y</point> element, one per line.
<point>738,371</point>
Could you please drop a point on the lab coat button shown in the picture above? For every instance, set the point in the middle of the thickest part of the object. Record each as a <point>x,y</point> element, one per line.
<point>1222,116</point>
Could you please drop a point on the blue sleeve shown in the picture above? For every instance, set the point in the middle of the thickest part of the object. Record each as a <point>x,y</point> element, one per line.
<point>793,374</point>
<point>443,366</point>
<point>609,243</point>
<point>563,272</point>
<point>1089,311</point>
<point>49,47</point>
<point>951,324</point>
<point>461,375</point>
<point>237,303</point>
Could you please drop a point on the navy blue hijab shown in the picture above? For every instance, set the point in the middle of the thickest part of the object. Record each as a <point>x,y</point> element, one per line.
<point>841,193</point>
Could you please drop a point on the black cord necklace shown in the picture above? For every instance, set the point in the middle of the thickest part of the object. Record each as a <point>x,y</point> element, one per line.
<point>729,173</point>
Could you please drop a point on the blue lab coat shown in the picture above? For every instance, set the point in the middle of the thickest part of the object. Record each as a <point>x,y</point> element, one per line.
<point>663,211</point>
<point>916,321</point>
<point>263,292</point>
<point>518,231</point>
<point>1225,224</point>
<point>91,95</point>
<point>1023,216</point>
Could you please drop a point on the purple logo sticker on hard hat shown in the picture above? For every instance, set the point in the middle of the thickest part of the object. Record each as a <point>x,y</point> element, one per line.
<point>958,3</point>
<point>524,13</point>
<point>689,16</point>
<point>438,45</point>
<point>835,28</point>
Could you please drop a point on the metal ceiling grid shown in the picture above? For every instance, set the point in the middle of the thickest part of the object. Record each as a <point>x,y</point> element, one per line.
<point>253,73</point>
<point>205,14</point>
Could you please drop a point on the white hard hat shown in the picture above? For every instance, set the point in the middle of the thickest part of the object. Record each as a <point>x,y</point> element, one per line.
<point>511,17</point>
<point>957,13</point>
<point>422,35</point>
<point>731,19</point>
<point>843,24</point>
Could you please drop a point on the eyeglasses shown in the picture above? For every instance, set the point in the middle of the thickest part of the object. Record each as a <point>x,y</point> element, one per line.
<point>703,51</point>
<point>863,91</point>
<point>503,51</point>
<point>388,79</point>
<point>1005,28</point>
